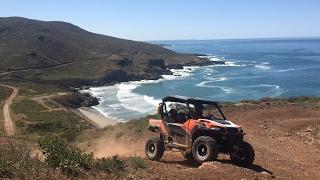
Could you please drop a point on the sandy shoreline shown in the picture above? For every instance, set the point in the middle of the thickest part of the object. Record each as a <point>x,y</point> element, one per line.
<point>94,117</point>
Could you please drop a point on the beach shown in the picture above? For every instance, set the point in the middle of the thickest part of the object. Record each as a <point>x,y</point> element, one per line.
<point>94,117</point>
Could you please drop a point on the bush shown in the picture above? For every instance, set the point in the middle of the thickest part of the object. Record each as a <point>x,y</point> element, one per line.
<point>16,162</point>
<point>60,122</point>
<point>76,100</point>
<point>26,106</point>
<point>141,125</point>
<point>71,160</point>
<point>34,121</point>
<point>111,165</point>
<point>4,93</point>
<point>137,162</point>
<point>73,100</point>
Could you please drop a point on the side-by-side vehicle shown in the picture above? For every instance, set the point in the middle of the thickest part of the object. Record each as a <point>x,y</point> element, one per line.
<point>199,129</point>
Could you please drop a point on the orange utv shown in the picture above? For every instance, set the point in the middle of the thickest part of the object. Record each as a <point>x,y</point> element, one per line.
<point>199,129</point>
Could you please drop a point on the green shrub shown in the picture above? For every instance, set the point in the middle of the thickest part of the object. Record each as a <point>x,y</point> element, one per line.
<point>71,160</point>
<point>140,125</point>
<point>16,162</point>
<point>316,131</point>
<point>61,123</point>
<point>73,100</point>
<point>70,134</point>
<point>76,100</point>
<point>26,106</point>
<point>31,89</point>
<point>4,93</point>
<point>137,162</point>
<point>111,165</point>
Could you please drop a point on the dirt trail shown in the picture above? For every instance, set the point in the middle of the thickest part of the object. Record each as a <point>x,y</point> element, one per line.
<point>32,69</point>
<point>273,130</point>
<point>42,99</point>
<point>49,67</point>
<point>8,123</point>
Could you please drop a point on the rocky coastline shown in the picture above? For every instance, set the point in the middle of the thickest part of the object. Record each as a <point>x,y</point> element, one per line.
<point>157,69</point>
<point>154,71</point>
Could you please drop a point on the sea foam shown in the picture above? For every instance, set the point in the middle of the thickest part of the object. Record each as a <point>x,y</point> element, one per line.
<point>120,99</point>
<point>263,66</point>
<point>285,70</point>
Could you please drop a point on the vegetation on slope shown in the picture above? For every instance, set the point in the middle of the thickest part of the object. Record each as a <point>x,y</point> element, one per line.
<point>61,52</point>
<point>31,89</point>
<point>61,160</point>
<point>34,120</point>
<point>76,100</point>
<point>17,161</point>
<point>4,93</point>
<point>302,100</point>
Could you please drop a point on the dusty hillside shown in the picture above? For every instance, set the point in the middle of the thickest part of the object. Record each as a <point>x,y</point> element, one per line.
<point>285,136</point>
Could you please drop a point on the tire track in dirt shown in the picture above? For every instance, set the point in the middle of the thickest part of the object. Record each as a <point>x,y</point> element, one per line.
<point>8,123</point>
<point>271,129</point>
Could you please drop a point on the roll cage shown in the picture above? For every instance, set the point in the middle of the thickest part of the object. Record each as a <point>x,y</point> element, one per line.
<point>188,101</point>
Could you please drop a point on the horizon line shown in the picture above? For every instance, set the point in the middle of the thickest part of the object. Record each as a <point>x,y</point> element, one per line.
<point>254,38</point>
<point>191,39</point>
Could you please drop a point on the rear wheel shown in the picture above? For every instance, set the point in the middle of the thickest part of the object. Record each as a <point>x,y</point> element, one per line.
<point>204,149</point>
<point>243,154</point>
<point>154,149</point>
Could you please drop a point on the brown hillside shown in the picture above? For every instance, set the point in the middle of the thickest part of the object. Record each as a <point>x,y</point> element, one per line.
<point>52,50</point>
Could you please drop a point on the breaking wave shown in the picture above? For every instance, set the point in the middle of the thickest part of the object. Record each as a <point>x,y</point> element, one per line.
<point>122,101</point>
<point>285,70</point>
<point>263,66</point>
<point>180,73</point>
<point>223,88</point>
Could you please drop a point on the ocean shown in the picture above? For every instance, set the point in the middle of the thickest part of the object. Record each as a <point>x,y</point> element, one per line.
<point>255,68</point>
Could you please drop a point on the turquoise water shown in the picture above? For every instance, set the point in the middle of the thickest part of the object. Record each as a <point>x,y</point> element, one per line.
<point>255,69</point>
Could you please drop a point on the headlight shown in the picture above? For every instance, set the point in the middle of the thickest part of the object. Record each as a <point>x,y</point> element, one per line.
<point>240,130</point>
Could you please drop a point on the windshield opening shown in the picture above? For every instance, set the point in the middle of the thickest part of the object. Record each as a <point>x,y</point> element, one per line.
<point>194,111</point>
<point>212,112</point>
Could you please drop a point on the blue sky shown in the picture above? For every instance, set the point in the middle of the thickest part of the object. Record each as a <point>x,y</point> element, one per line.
<point>178,19</point>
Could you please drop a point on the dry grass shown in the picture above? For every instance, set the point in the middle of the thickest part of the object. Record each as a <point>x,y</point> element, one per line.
<point>18,161</point>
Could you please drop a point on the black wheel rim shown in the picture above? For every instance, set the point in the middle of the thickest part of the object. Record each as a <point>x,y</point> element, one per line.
<point>202,150</point>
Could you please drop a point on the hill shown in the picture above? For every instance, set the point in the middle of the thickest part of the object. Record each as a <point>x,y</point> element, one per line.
<point>50,51</point>
<point>285,134</point>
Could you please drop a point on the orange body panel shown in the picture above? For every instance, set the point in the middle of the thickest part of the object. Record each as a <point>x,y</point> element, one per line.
<point>158,123</point>
<point>188,125</point>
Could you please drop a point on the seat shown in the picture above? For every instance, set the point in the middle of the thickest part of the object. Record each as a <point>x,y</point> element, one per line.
<point>181,117</point>
<point>172,116</point>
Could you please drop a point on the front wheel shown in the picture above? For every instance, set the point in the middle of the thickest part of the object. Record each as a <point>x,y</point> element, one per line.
<point>154,149</point>
<point>243,154</point>
<point>204,149</point>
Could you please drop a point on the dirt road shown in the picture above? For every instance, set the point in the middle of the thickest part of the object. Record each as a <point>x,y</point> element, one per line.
<point>49,67</point>
<point>8,123</point>
<point>33,69</point>
<point>286,139</point>
<point>43,99</point>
